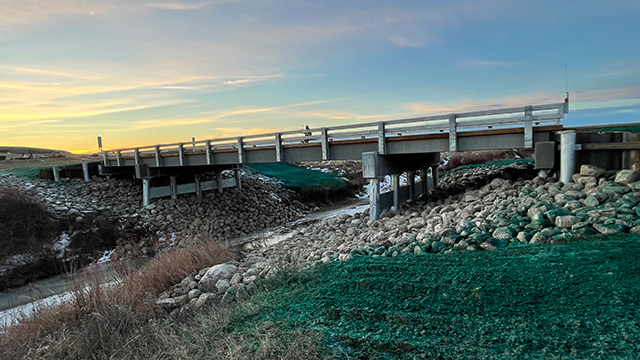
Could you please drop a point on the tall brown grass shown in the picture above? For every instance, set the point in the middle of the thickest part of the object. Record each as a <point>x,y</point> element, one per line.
<point>100,319</point>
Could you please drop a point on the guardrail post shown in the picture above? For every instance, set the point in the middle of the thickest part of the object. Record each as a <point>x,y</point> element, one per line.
<point>105,158</point>
<point>240,150</point>
<point>279,153</point>
<point>158,157</point>
<point>136,153</point>
<point>183,160</point>
<point>382,140</point>
<point>453,133</point>
<point>326,153</point>
<point>209,154</point>
<point>119,157</point>
<point>528,127</point>
<point>374,199</point>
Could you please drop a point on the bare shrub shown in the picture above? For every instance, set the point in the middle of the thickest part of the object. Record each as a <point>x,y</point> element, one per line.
<point>100,318</point>
<point>25,225</point>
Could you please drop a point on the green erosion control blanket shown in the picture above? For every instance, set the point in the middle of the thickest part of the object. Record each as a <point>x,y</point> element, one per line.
<point>298,177</point>
<point>632,128</point>
<point>499,163</point>
<point>23,172</point>
<point>575,301</point>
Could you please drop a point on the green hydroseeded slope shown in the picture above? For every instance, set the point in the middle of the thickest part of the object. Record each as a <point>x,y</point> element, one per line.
<point>575,301</point>
<point>298,177</point>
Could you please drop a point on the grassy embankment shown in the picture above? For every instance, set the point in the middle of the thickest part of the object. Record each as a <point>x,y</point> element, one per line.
<point>578,300</point>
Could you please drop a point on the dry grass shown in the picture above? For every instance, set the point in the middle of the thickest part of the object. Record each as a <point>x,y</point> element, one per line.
<point>101,319</point>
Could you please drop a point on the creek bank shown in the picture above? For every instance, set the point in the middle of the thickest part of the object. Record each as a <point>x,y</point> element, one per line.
<point>114,204</point>
<point>498,208</point>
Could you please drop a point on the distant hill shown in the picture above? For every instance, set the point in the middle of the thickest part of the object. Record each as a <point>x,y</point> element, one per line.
<point>18,150</point>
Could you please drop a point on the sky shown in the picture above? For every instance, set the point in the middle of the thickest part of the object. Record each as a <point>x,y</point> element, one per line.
<point>145,72</point>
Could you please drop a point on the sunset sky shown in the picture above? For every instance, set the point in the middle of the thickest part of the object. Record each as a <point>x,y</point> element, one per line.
<point>146,72</point>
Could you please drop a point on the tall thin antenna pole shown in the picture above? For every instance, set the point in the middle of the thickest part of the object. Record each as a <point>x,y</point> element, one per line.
<point>566,77</point>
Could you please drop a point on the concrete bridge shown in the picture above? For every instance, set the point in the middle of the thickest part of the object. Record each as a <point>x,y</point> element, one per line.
<point>388,147</point>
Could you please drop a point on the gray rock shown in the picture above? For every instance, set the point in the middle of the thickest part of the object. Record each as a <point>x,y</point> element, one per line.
<point>172,303</point>
<point>222,286</point>
<point>194,293</point>
<point>626,177</point>
<point>566,221</point>
<point>504,233</point>
<point>611,229</point>
<point>591,170</point>
<point>438,246</point>
<point>205,299</point>
<point>215,273</point>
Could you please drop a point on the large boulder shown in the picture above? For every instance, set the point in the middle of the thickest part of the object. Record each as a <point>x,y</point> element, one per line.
<point>214,274</point>
<point>626,177</point>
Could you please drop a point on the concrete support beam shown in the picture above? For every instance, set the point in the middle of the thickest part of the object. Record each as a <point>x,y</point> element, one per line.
<point>146,191</point>
<point>411,179</point>
<point>382,140</point>
<point>424,180</point>
<point>236,173</point>
<point>85,171</point>
<point>377,166</point>
<point>240,150</point>
<point>453,133</point>
<point>374,199</point>
<point>182,158</point>
<point>198,183</point>
<point>209,154</point>
<point>158,157</point>
<point>279,152</point>
<point>136,156</point>
<point>395,186</point>
<point>174,187</point>
<point>567,155</point>
<point>219,181</point>
<point>434,177</point>
<point>56,173</point>
<point>528,127</point>
<point>324,137</point>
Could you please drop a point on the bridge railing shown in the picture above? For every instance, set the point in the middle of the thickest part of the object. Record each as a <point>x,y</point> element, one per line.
<point>523,116</point>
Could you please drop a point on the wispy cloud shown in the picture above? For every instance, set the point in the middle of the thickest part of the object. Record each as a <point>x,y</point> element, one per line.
<point>481,64</point>
<point>179,6</point>
<point>404,42</point>
<point>151,124</point>
<point>27,11</point>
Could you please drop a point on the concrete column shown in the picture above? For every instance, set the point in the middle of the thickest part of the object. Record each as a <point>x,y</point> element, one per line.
<point>198,184</point>
<point>434,177</point>
<point>630,158</point>
<point>146,191</point>
<point>567,155</point>
<point>174,187</point>
<point>411,177</point>
<point>85,171</point>
<point>56,174</point>
<point>395,185</point>
<point>219,181</point>
<point>236,172</point>
<point>424,180</point>
<point>374,199</point>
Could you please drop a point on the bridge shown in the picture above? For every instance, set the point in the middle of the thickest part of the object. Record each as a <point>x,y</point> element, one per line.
<point>389,147</point>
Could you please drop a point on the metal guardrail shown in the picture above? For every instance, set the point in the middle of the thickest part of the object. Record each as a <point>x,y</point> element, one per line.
<point>526,116</point>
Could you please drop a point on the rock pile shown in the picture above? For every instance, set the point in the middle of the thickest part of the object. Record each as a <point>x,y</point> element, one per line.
<point>261,203</point>
<point>500,213</point>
